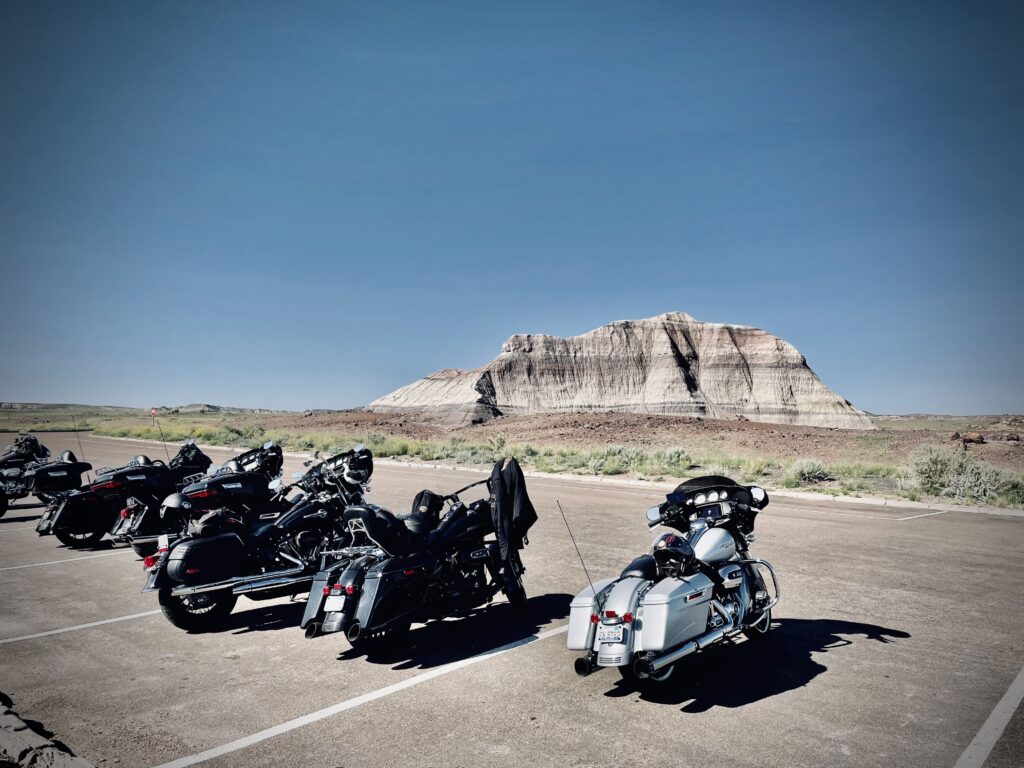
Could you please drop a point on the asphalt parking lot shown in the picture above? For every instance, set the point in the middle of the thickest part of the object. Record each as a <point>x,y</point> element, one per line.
<point>898,635</point>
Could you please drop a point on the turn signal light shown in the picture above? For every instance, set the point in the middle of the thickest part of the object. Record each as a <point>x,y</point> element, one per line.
<point>594,618</point>
<point>126,511</point>
<point>350,589</point>
<point>149,561</point>
<point>628,618</point>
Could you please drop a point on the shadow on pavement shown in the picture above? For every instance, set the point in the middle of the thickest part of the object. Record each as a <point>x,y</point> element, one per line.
<point>736,675</point>
<point>486,629</point>
<point>20,519</point>
<point>264,618</point>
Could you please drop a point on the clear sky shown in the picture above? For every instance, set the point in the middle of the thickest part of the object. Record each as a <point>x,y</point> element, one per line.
<point>309,204</point>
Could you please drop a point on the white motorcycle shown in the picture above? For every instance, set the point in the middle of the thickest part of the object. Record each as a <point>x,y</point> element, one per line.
<point>697,587</point>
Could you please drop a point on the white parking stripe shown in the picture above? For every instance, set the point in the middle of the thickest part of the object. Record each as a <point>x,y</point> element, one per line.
<point>977,751</point>
<point>926,514</point>
<point>65,560</point>
<point>358,701</point>
<point>77,627</point>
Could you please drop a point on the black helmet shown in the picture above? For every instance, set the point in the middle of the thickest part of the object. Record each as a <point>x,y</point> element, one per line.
<point>672,551</point>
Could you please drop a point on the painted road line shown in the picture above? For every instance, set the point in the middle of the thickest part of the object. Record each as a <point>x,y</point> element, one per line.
<point>977,751</point>
<point>65,560</point>
<point>358,701</point>
<point>926,514</point>
<point>833,512</point>
<point>77,627</point>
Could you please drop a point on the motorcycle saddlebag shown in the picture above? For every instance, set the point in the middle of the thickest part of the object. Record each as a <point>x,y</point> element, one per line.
<point>59,476</point>
<point>675,611</point>
<point>82,512</point>
<point>206,560</point>
<point>581,627</point>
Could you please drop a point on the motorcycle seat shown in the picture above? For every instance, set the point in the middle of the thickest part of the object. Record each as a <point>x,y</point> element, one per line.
<point>643,567</point>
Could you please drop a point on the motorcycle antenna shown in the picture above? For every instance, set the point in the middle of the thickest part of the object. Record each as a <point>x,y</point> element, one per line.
<point>578,554</point>
<point>166,452</point>
<point>78,437</point>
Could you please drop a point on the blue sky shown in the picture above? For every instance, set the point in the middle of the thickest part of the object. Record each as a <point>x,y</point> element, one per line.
<point>308,205</point>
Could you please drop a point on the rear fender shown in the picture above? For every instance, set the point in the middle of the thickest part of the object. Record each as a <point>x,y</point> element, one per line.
<point>624,598</point>
<point>317,596</point>
<point>158,578</point>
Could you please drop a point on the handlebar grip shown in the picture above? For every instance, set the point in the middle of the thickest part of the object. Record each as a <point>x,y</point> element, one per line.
<point>659,521</point>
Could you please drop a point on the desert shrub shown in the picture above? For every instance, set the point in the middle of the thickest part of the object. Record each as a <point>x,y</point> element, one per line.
<point>931,468</point>
<point>804,472</point>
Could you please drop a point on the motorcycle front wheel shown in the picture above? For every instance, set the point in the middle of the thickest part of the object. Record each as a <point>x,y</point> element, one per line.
<point>197,613</point>
<point>516,593</point>
<point>761,627</point>
<point>79,540</point>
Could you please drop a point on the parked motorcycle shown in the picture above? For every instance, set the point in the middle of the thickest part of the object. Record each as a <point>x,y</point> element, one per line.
<point>139,523</point>
<point>423,566</point>
<point>697,587</point>
<point>83,517</point>
<point>223,552</point>
<point>24,453</point>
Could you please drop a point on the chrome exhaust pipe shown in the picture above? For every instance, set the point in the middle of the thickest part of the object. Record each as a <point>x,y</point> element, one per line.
<point>269,581</point>
<point>650,665</point>
<point>353,632</point>
<point>242,584</point>
<point>584,665</point>
<point>312,630</point>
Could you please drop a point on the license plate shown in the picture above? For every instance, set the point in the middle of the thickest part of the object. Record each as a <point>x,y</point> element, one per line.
<point>163,542</point>
<point>610,633</point>
<point>334,603</point>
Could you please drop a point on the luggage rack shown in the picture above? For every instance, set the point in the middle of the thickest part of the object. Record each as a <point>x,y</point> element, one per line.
<point>193,478</point>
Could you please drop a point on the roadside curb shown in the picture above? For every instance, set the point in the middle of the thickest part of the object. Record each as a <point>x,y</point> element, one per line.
<point>876,501</point>
<point>28,747</point>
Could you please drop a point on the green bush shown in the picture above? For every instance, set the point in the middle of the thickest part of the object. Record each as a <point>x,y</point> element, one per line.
<point>804,472</point>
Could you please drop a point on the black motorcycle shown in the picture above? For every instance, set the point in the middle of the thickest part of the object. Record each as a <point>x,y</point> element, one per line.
<point>423,566</point>
<point>230,550</point>
<point>81,518</point>
<point>139,523</point>
<point>18,458</point>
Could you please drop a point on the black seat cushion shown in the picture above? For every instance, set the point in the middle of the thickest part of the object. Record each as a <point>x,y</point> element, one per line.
<point>643,567</point>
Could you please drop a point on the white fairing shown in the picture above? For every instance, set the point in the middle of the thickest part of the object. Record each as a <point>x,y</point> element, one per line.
<point>713,545</point>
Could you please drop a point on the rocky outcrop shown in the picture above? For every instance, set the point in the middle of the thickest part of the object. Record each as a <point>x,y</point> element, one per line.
<point>25,746</point>
<point>670,364</point>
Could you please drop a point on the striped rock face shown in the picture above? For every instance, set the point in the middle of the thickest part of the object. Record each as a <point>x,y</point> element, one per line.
<point>671,364</point>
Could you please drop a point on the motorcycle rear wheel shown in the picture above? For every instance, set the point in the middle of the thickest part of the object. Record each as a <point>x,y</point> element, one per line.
<point>197,613</point>
<point>78,540</point>
<point>143,550</point>
<point>653,681</point>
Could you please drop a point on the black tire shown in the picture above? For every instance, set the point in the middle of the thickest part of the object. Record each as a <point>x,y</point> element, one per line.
<point>197,613</point>
<point>761,628</point>
<point>79,540</point>
<point>647,683</point>
<point>144,550</point>
<point>516,593</point>
<point>382,640</point>
<point>3,504</point>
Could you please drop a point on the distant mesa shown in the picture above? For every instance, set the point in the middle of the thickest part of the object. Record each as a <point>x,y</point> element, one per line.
<point>670,364</point>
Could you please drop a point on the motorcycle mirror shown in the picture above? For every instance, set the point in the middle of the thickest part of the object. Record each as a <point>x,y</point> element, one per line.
<point>653,514</point>
<point>274,484</point>
<point>316,455</point>
<point>268,444</point>
<point>359,447</point>
<point>757,492</point>
<point>190,441</point>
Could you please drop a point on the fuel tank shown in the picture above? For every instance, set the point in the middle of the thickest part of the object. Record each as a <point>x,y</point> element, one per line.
<point>713,545</point>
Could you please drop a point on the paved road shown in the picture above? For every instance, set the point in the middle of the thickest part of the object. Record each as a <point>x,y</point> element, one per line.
<point>895,641</point>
